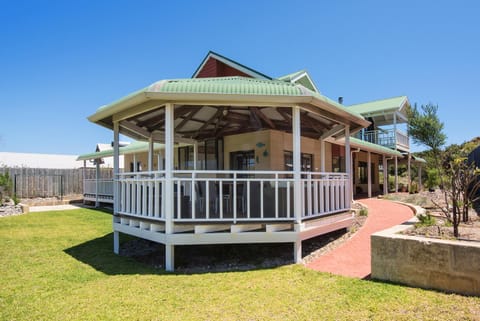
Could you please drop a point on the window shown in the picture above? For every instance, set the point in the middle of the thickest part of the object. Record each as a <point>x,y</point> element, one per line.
<point>242,160</point>
<point>338,164</point>
<point>185,158</point>
<point>138,169</point>
<point>210,154</point>
<point>363,173</point>
<point>306,161</point>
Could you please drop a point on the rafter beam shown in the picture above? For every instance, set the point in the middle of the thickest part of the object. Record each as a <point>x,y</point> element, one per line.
<point>139,109</point>
<point>333,131</point>
<point>188,118</point>
<point>135,129</point>
<point>262,116</point>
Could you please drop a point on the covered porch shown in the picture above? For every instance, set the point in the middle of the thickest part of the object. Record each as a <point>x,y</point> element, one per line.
<point>210,192</point>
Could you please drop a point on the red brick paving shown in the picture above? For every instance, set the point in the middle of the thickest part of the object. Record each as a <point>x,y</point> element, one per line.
<point>353,257</point>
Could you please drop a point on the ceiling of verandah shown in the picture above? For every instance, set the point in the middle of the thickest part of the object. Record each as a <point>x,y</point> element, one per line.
<point>199,122</point>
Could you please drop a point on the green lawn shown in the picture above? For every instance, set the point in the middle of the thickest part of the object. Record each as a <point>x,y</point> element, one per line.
<point>59,266</point>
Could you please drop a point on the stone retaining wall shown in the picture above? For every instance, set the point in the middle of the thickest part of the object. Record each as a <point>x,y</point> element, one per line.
<point>447,265</point>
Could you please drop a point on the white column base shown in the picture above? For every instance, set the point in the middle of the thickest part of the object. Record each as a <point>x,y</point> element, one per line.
<point>169,257</point>
<point>116,242</point>
<point>297,252</point>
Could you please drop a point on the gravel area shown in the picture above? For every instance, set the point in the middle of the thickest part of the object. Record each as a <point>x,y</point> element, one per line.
<point>10,210</point>
<point>469,231</point>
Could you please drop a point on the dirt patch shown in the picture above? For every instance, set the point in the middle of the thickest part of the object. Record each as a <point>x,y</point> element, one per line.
<point>469,231</point>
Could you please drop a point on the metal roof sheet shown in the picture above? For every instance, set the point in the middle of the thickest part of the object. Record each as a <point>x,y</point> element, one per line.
<point>132,148</point>
<point>378,106</point>
<point>226,85</point>
<point>355,142</point>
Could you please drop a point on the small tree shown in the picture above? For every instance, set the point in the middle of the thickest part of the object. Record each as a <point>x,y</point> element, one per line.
<point>426,129</point>
<point>460,189</point>
<point>5,185</point>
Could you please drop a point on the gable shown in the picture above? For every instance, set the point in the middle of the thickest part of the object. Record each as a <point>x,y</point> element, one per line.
<point>215,65</point>
<point>215,68</point>
<point>305,82</point>
<point>302,78</point>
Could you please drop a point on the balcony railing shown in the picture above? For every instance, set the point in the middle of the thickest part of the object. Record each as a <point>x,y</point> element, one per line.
<point>386,137</point>
<point>233,196</point>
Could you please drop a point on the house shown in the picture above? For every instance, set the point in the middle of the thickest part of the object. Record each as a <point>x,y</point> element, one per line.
<point>242,158</point>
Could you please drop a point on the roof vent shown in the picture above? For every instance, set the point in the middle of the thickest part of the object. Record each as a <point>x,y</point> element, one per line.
<point>340,100</point>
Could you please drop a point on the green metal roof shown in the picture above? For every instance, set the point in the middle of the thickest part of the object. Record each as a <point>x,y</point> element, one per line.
<point>378,106</point>
<point>374,147</point>
<point>135,147</point>
<point>418,159</point>
<point>230,86</point>
<point>302,77</point>
<point>226,85</point>
<point>291,76</point>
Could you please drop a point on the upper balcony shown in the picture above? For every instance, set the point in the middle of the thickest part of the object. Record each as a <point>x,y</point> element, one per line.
<point>385,116</point>
<point>391,138</point>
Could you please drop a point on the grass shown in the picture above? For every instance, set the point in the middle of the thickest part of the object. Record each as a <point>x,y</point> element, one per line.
<point>59,266</point>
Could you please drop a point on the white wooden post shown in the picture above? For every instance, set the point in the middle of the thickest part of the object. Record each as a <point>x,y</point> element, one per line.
<point>150,153</point>
<point>395,129</point>
<point>396,174</point>
<point>322,155</point>
<point>195,155</point>
<point>297,176</point>
<point>97,177</point>
<point>116,170</point>
<point>169,193</point>
<point>385,175</point>
<point>369,173</point>
<point>348,166</point>
<point>84,176</point>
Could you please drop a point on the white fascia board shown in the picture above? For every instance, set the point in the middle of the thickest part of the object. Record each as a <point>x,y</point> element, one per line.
<point>305,74</point>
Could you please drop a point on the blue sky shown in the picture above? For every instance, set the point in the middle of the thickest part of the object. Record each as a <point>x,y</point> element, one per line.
<point>61,60</point>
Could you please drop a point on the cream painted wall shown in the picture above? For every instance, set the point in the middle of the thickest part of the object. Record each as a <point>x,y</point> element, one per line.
<point>258,141</point>
<point>269,147</point>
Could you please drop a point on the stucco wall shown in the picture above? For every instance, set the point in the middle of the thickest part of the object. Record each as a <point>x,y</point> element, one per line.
<point>447,265</point>
<point>269,147</point>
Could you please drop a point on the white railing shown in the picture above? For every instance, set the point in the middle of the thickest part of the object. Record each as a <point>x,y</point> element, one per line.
<point>105,187</point>
<point>385,137</point>
<point>402,139</point>
<point>232,195</point>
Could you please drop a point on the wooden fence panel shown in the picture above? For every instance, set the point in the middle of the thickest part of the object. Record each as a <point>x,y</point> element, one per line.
<point>43,182</point>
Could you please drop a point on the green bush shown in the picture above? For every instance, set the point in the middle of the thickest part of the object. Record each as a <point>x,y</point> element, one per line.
<point>363,211</point>
<point>425,220</point>
<point>433,178</point>
<point>15,199</point>
<point>6,185</point>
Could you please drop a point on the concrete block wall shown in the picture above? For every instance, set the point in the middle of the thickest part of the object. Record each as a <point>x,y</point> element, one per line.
<point>447,265</point>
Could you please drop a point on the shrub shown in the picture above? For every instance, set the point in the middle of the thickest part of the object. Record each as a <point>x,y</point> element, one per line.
<point>433,179</point>
<point>6,185</point>
<point>15,199</point>
<point>363,211</point>
<point>425,220</point>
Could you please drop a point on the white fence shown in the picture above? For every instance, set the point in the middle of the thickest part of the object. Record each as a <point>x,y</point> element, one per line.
<point>232,195</point>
